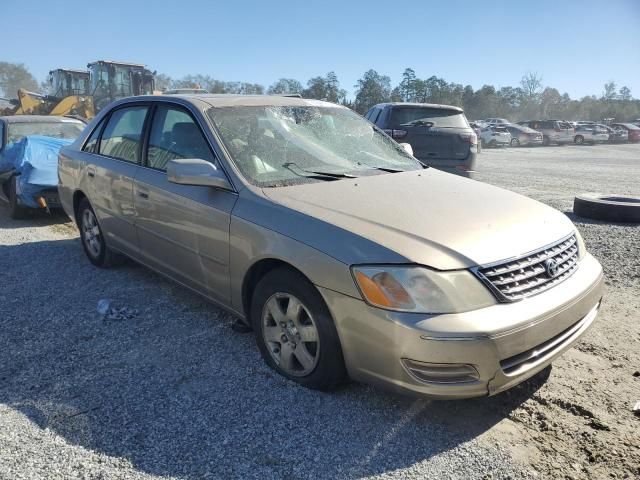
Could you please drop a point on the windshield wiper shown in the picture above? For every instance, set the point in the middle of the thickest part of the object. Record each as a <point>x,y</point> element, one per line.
<point>315,173</point>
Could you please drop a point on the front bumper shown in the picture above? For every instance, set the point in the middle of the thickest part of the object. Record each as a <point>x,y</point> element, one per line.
<point>505,343</point>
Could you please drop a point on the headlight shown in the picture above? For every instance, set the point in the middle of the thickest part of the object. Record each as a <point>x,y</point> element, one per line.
<point>420,289</point>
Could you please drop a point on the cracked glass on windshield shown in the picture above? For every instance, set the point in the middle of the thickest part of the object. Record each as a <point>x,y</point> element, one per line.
<point>283,145</point>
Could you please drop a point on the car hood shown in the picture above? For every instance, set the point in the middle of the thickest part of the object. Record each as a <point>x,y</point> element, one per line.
<point>426,217</point>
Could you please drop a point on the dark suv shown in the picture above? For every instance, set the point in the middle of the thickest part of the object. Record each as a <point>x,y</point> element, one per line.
<point>439,135</point>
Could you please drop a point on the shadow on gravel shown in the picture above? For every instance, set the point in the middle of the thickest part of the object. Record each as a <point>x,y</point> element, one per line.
<point>36,218</point>
<point>178,393</point>
<point>590,221</point>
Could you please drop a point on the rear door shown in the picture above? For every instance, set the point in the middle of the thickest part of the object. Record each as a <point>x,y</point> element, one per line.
<point>183,230</point>
<point>115,148</point>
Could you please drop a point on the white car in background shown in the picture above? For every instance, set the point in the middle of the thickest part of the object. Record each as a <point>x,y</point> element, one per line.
<point>497,121</point>
<point>590,134</point>
<point>494,136</point>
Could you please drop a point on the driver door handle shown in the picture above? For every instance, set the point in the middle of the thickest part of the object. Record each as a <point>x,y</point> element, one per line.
<point>91,172</point>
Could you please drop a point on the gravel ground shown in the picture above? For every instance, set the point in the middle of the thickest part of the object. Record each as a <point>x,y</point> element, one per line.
<point>174,392</point>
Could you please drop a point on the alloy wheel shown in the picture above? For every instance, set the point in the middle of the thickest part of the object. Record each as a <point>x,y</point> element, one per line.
<point>91,233</point>
<point>290,334</point>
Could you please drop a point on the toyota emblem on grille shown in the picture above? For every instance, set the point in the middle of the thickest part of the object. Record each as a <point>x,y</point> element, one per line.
<point>551,267</point>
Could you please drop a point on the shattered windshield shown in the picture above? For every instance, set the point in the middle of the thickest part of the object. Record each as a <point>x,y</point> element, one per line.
<point>68,129</point>
<point>283,145</point>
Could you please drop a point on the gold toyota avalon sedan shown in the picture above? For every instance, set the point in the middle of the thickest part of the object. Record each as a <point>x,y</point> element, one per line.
<point>346,256</point>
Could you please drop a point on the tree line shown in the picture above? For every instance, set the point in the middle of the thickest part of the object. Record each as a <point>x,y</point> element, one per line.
<point>529,100</point>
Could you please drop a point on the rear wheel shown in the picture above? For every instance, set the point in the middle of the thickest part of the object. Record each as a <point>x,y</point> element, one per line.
<point>515,142</point>
<point>92,238</point>
<point>579,140</point>
<point>295,332</point>
<point>17,211</point>
<point>493,144</point>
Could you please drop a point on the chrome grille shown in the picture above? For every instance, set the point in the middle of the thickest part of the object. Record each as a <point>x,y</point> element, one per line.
<point>528,275</point>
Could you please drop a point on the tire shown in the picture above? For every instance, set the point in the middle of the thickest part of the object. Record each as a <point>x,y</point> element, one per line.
<point>613,208</point>
<point>578,140</point>
<point>317,363</point>
<point>16,211</point>
<point>515,142</point>
<point>493,144</point>
<point>483,144</point>
<point>92,238</point>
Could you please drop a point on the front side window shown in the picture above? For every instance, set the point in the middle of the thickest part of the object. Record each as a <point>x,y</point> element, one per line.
<point>174,134</point>
<point>123,133</point>
<point>439,117</point>
<point>283,145</point>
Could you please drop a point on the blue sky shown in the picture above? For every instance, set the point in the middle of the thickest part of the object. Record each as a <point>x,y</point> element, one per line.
<point>575,45</point>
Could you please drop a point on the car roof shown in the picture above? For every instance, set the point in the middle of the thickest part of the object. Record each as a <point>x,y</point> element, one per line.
<point>36,119</point>
<point>232,100</point>
<point>415,104</point>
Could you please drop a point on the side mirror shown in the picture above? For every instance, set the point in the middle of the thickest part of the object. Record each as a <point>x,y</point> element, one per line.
<point>194,171</point>
<point>407,148</point>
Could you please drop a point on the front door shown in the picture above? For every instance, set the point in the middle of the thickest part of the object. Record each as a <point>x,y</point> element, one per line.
<point>183,231</point>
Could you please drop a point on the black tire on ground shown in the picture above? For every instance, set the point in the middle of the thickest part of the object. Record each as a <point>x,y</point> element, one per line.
<point>515,142</point>
<point>17,212</point>
<point>578,140</point>
<point>612,208</point>
<point>104,257</point>
<point>329,371</point>
<point>493,144</point>
<point>545,141</point>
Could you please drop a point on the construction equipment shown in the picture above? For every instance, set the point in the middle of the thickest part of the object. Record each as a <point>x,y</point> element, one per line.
<point>83,93</point>
<point>113,80</point>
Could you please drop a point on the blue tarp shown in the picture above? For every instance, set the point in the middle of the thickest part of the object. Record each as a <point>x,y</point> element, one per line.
<point>35,158</point>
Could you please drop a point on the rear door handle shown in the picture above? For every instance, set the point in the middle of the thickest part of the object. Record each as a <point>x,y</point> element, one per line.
<point>143,194</point>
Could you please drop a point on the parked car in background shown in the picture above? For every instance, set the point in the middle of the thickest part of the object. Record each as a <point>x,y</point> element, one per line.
<point>346,255</point>
<point>633,131</point>
<point>29,146</point>
<point>477,128</point>
<point>618,134</point>
<point>590,134</point>
<point>497,121</point>
<point>522,136</point>
<point>439,135</point>
<point>495,136</point>
<point>553,131</point>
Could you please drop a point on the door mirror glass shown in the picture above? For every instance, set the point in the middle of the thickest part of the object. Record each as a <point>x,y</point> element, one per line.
<point>195,171</point>
<point>407,148</point>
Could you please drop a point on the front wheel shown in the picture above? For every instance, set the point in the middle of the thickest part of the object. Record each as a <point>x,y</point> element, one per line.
<point>579,140</point>
<point>295,332</point>
<point>92,238</point>
<point>515,142</point>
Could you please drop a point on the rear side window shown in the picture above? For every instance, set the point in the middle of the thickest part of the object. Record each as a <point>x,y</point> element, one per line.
<point>91,144</point>
<point>440,117</point>
<point>175,134</point>
<point>123,134</point>
<point>375,113</point>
